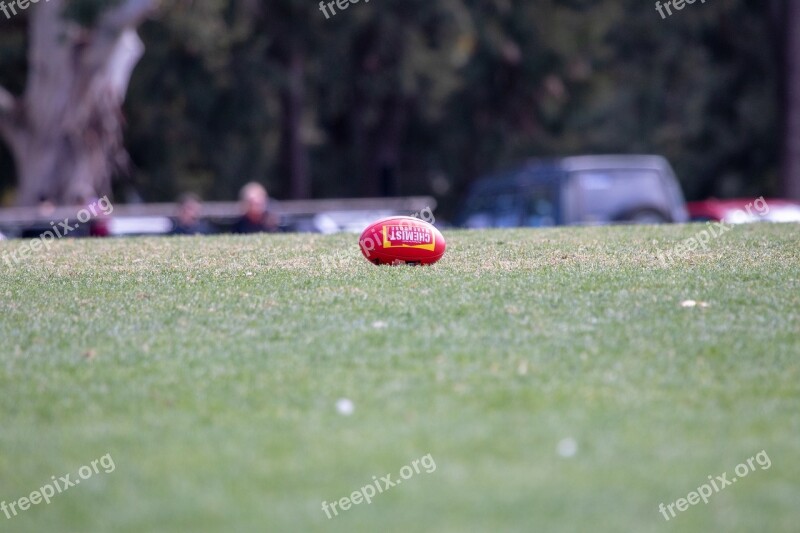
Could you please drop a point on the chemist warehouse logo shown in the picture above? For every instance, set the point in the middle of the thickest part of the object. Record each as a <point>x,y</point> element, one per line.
<point>408,237</point>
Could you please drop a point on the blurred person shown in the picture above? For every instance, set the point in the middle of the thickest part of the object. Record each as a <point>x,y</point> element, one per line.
<point>188,221</point>
<point>84,229</point>
<point>100,226</point>
<point>99,211</point>
<point>45,209</point>
<point>256,217</point>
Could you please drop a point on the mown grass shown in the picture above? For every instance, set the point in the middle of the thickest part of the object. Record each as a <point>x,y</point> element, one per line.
<point>210,368</point>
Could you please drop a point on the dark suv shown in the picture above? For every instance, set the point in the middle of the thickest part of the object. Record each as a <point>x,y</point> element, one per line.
<point>606,189</point>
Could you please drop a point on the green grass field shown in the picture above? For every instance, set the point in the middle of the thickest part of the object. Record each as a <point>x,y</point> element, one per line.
<point>210,370</point>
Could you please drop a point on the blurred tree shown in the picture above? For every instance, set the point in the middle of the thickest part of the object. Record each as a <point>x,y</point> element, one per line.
<point>293,26</point>
<point>692,87</point>
<point>423,96</point>
<point>65,130</point>
<point>387,77</point>
<point>201,116</point>
<point>789,17</point>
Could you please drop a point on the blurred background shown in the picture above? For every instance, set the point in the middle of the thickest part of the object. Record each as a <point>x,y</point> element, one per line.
<point>145,101</point>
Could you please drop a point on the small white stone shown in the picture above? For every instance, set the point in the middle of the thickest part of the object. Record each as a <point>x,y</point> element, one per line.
<point>380,324</point>
<point>694,303</point>
<point>567,447</point>
<point>345,407</point>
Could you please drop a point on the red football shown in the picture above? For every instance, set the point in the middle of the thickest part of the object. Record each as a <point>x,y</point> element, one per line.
<point>401,241</point>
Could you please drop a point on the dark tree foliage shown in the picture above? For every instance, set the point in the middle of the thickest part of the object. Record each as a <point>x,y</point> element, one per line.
<point>423,96</point>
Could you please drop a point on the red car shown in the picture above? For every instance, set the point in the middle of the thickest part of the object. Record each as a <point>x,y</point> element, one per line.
<point>740,211</point>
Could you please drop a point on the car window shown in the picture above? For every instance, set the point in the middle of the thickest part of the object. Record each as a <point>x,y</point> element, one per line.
<point>494,209</point>
<point>599,197</point>
<point>540,209</point>
<point>533,206</point>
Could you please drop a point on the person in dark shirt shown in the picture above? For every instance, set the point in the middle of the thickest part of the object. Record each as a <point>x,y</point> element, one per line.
<point>188,221</point>
<point>256,217</point>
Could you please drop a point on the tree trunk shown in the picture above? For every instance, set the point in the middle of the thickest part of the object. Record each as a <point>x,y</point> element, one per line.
<point>791,147</point>
<point>383,175</point>
<point>65,131</point>
<point>294,152</point>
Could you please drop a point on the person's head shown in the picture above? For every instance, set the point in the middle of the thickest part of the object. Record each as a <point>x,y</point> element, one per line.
<point>46,205</point>
<point>189,208</point>
<point>254,200</point>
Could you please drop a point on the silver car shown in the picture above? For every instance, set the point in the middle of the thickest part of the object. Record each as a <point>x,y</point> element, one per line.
<point>586,190</point>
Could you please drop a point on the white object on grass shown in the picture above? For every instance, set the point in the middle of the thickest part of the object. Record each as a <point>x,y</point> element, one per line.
<point>567,447</point>
<point>345,407</point>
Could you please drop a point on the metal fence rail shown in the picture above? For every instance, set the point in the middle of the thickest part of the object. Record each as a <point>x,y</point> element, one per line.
<point>15,218</point>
